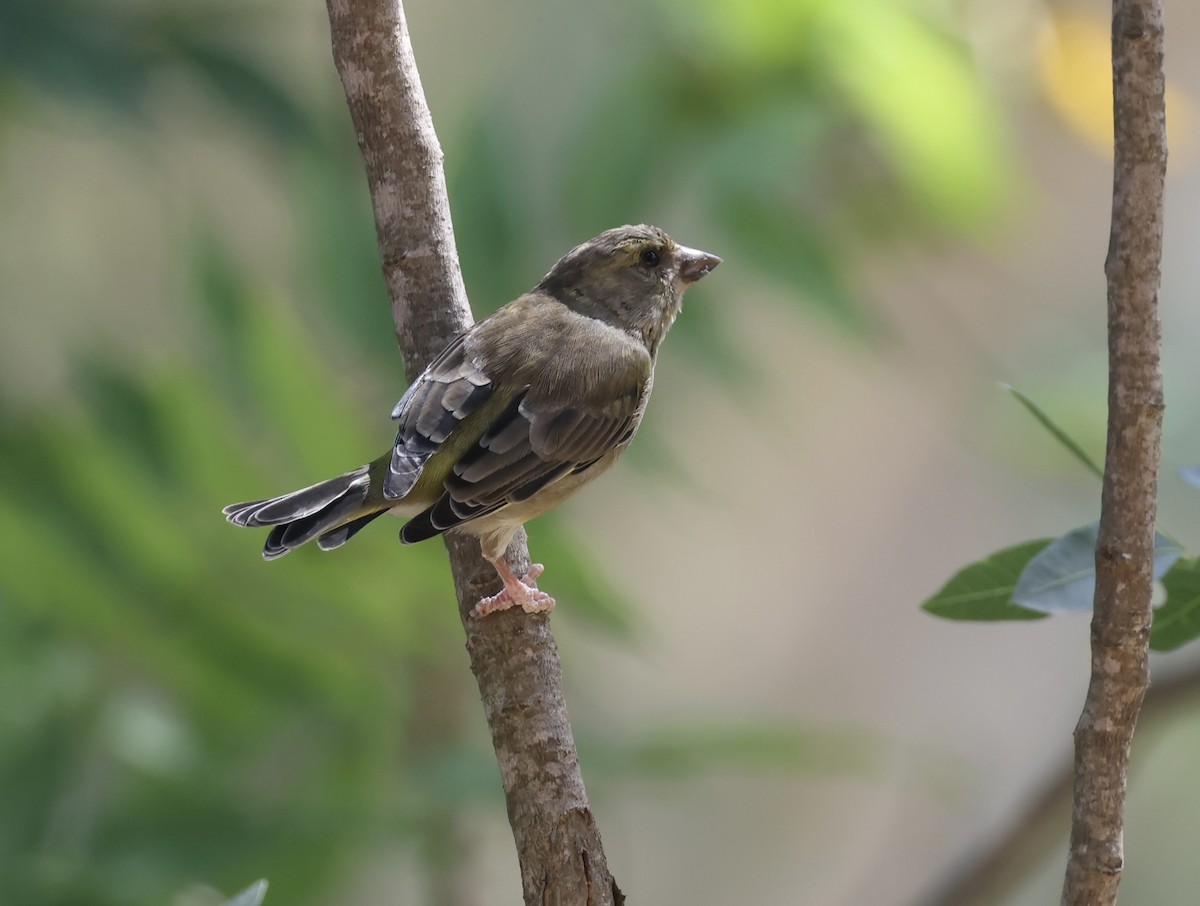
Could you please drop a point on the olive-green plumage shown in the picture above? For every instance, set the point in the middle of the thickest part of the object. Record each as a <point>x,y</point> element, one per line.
<point>515,414</point>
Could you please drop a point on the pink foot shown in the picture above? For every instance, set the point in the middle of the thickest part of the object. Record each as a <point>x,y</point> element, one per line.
<point>516,593</point>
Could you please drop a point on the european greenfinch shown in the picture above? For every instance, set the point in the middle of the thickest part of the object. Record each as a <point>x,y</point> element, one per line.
<point>516,413</point>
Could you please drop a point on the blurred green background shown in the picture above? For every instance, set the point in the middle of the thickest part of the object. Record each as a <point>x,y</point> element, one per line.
<point>912,202</point>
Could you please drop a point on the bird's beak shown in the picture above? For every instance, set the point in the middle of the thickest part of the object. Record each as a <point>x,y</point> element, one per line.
<point>694,264</point>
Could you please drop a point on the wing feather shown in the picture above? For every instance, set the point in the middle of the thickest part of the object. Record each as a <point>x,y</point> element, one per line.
<point>564,415</point>
<point>533,448</point>
<point>446,393</point>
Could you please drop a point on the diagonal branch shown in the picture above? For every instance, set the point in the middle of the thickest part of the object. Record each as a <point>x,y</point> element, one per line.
<point>1125,548</point>
<point>990,872</point>
<point>513,655</point>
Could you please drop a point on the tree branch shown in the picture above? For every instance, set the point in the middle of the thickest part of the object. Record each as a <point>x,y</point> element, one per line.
<point>991,871</point>
<point>1125,548</point>
<point>513,655</point>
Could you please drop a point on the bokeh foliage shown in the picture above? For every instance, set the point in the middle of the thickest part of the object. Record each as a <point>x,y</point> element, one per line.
<point>172,711</point>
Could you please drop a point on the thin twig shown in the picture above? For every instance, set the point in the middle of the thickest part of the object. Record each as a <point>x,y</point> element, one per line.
<point>1125,549</point>
<point>513,655</point>
<point>1058,433</point>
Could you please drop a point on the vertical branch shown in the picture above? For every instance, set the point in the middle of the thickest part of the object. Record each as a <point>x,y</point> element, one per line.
<point>1125,549</point>
<point>513,655</point>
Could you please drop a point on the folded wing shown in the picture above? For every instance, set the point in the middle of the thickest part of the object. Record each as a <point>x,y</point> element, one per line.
<point>528,447</point>
<point>446,393</point>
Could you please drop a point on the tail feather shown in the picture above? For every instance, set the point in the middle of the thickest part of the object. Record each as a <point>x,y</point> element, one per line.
<point>297,504</point>
<point>331,508</point>
<point>344,533</point>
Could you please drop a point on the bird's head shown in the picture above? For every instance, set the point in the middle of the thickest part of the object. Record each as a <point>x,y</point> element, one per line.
<point>633,277</point>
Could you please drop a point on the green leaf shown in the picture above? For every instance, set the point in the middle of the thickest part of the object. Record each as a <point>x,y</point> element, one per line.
<point>1062,578</point>
<point>1059,434</point>
<point>1178,620</point>
<point>984,590</point>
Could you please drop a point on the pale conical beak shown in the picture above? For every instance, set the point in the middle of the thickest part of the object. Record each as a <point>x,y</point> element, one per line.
<point>694,264</point>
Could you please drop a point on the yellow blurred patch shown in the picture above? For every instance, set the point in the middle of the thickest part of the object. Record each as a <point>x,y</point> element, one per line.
<point>1075,73</point>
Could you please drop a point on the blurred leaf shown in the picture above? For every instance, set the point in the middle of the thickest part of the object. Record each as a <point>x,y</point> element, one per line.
<point>122,405</point>
<point>1074,67</point>
<point>760,175</point>
<point>210,780</point>
<point>1177,622</point>
<point>76,49</point>
<point>238,80</point>
<point>984,590</point>
<point>115,53</point>
<point>623,154</point>
<point>1191,474</point>
<point>492,232</point>
<point>911,86</point>
<point>764,34</point>
<point>320,435</point>
<point>1062,578</point>
<point>266,367</point>
<point>771,149</point>
<point>919,91</point>
<point>1058,433</point>
<point>338,257</point>
<point>223,291</point>
<point>791,251</point>
<point>251,896</point>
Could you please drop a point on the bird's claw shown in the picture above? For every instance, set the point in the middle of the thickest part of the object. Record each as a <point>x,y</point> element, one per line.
<point>519,594</point>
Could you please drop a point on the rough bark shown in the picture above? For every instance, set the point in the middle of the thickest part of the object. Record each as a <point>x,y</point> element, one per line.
<point>1125,549</point>
<point>513,655</point>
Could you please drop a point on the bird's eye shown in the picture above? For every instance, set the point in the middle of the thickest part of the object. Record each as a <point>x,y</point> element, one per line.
<point>650,257</point>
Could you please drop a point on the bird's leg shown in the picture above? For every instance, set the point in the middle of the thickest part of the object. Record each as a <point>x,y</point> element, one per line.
<point>516,592</point>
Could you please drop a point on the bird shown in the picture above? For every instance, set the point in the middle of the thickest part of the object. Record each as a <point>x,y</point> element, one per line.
<point>515,415</point>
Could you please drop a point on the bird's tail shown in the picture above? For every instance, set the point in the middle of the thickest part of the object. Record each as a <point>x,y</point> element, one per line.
<point>331,511</point>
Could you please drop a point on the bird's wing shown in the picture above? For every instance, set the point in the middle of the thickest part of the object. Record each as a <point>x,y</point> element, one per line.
<point>522,399</point>
<point>531,444</point>
<point>437,402</point>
